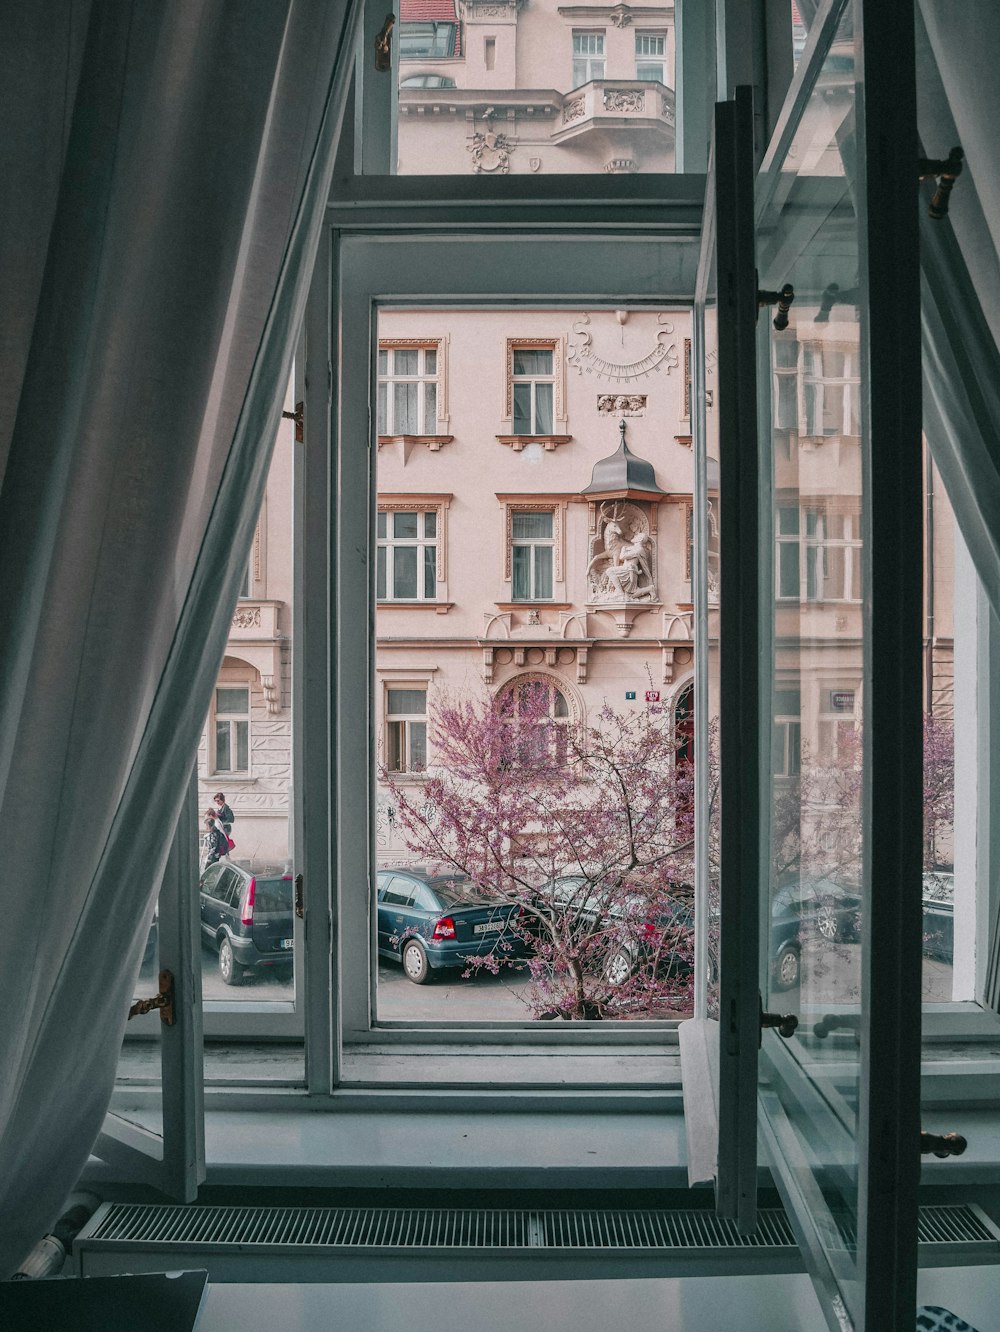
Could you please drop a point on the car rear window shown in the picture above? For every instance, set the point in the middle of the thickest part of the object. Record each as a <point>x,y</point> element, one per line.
<point>273,895</point>
<point>453,891</point>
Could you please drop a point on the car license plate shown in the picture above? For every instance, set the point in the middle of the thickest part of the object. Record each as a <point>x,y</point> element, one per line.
<point>285,943</point>
<point>488,927</point>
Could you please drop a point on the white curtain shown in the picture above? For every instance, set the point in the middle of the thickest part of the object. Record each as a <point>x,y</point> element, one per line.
<point>165,168</point>
<point>958,51</point>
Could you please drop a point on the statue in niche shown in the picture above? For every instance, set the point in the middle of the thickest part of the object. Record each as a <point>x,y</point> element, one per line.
<point>622,556</point>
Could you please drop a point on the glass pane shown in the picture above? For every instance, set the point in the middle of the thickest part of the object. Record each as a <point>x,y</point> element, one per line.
<point>522,424</point>
<point>404,571</point>
<point>527,525</point>
<point>430,361</point>
<point>543,572</point>
<point>406,702</point>
<point>430,408</point>
<point>380,525</point>
<point>430,566</point>
<point>812,916</point>
<point>382,424</point>
<point>500,94</point>
<point>232,700</point>
<point>521,569</point>
<point>223,755</point>
<point>380,574</point>
<point>543,409</point>
<point>405,361</point>
<point>383,362</point>
<point>536,714</point>
<point>404,408</point>
<point>242,745</point>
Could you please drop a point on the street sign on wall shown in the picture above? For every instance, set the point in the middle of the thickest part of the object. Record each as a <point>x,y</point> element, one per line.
<point>652,696</point>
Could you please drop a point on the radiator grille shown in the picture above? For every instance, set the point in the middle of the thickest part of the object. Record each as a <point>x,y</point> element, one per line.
<point>936,1224</point>
<point>432,1228</point>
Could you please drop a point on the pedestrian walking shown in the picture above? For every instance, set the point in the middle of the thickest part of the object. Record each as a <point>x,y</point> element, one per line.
<point>223,813</point>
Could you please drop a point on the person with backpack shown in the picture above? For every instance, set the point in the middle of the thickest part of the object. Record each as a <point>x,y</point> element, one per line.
<point>214,842</point>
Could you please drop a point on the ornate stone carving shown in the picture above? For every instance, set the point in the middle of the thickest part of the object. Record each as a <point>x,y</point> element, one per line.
<point>574,110</point>
<point>667,110</point>
<point>622,565</point>
<point>621,166</point>
<point>621,16</point>
<point>624,99</point>
<point>621,404</point>
<point>582,357</point>
<point>490,151</point>
<point>246,617</point>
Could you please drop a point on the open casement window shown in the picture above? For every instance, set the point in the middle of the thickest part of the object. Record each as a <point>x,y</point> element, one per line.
<point>154,1130</point>
<point>822,756</point>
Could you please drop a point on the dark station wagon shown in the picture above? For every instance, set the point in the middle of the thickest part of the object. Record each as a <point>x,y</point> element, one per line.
<point>431,922</point>
<point>246,916</point>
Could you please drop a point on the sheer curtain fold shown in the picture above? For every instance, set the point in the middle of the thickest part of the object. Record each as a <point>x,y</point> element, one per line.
<point>161,231</point>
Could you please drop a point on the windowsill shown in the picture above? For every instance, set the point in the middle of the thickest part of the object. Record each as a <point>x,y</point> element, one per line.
<point>535,605</point>
<point>442,607</point>
<point>409,778</point>
<point>432,442</point>
<point>548,442</point>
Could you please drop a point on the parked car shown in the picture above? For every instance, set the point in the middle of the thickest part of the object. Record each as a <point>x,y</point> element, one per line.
<point>246,916</point>
<point>939,915</point>
<point>823,908</point>
<point>637,925</point>
<point>430,922</point>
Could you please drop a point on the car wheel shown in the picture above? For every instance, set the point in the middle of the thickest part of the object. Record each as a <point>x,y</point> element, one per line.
<point>786,967</point>
<point>415,963</point>
<point>828,922</point>
<point>619,968</point>
<point>229,969</point>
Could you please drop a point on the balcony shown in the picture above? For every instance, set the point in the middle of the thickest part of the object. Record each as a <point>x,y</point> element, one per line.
<point>615,104</point>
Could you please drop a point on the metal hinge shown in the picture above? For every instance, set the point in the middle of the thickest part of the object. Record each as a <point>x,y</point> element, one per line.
<point>383,45</point>
<point>298,416</point>
<point>942,1144</point>
<point>947,170</point>
<point>299,904</point>
<point>164,1001</point>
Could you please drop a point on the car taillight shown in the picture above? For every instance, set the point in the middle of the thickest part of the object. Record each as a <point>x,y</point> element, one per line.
<point>247,917</point>
<point>444,928</point>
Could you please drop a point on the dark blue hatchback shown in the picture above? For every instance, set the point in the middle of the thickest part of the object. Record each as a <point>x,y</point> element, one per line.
<point>430,922</point>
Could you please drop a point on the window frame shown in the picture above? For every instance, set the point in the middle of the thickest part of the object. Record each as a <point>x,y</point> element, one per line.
<point>557,378</point>
<point>532,545</point>
<point>531,503</point>
<point>428,428</point>
<point>389,504</point>
<point>650,60</point>
<point>232,718</point>
<point>405,720</point>
<point>589,58</point>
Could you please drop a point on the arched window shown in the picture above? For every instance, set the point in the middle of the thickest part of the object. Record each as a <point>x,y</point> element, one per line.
<point>684,724</point>
<point>541,713</point>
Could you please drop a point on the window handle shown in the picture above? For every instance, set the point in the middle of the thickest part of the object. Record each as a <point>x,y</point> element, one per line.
<point>942,1145</point>
<point>947,170</point>
<point>164,1001</point>
<point>783,299</point>
<point>300,910</point>
<point>784,1023</point>
<point>383,45</point>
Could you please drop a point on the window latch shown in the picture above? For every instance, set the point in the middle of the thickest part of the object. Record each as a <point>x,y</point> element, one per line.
<point>300,910</point>
<point>783,299</point>
<point>784,1023</point>
<point>943,1144</point>
<point>298,416</point>
<point>383,45</point>
<point>947,170</point>
<point>164,1001</point>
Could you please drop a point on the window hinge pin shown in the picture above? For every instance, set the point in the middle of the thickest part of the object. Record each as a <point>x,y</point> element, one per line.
<point>947,170</point>
<point>383,45</point>
<point>298,416</point>
<point>942,1144</point>
<point>164,1001</point>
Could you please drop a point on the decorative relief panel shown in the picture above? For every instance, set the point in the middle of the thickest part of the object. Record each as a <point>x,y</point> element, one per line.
<point>583,357</point>
<point>619,404</point>
<point>624,99</point>
<point>246,617</point>
<point>490,150</point>
<point>574,110</point>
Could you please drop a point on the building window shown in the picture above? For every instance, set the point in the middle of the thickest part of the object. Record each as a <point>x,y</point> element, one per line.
<point>434,41</point>
<point>818,555</point>
<point>408,390</point>
<point>533,374</point>
<point>545,741</point>
<point>532,555</point>
<point>407,555</point>
<point>786,383</point>
<point>830,389</point>
<point>406,730</point>
<point>232,729</point>
<point>650,56</point>
<point>836,732</point>
<point>786,745</point>
<point>588,57</point>
<point>427,81</point>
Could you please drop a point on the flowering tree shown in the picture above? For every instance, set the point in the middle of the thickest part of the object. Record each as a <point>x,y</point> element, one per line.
<point>586,830</point>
